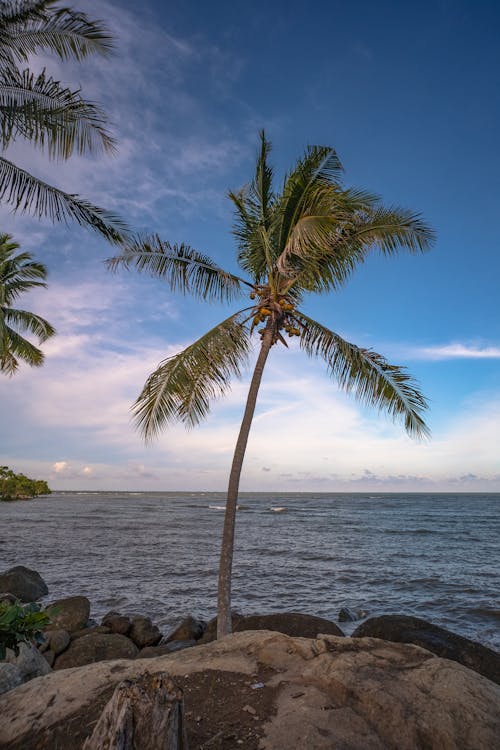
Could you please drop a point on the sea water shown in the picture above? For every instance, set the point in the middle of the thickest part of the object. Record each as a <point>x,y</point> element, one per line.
<point>435,556</point>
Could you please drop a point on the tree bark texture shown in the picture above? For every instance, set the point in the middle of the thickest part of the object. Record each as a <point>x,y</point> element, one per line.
<point>142,714</point>
<point>224,625</point>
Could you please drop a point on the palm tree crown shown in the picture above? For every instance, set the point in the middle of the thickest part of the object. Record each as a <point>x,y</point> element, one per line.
<point>18,274</point>
<point>52,117</point>
<point>307,238</point>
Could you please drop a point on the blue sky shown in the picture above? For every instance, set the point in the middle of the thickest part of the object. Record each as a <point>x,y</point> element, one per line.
<point>409,95</point>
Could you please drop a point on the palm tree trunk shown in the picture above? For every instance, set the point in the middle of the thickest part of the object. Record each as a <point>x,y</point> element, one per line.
<point>224,625</point>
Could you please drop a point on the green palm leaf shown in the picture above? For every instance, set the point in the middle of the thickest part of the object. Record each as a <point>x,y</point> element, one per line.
<point>28,322</point>
<point>182,386</point>
<point>367,374</point>
<point>41,110</point>
<point>28,27</point>
<point>183,269</point>
<point>28,194</point>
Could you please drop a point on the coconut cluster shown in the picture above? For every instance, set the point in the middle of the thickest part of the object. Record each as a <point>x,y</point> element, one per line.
<point>279,310</point>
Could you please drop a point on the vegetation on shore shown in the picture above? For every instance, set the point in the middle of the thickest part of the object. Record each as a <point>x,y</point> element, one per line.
<point>20,623</point>
<point>20,487</point>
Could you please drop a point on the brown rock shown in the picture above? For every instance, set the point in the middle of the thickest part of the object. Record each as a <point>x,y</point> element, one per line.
<point>117,623</point>
<point>289,623</point>
<point>96,647</point>
<point>311,694</point>
<point>49,657</point>
<point>164,648</point>
<point>442,642</point>
<point>143,632</point>
<point>88,631</point>
<point>57,640</point>
<point>188,630</point>
<point>68,614</point>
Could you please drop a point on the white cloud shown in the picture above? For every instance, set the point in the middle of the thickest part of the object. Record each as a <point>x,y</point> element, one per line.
<point>453,351</point>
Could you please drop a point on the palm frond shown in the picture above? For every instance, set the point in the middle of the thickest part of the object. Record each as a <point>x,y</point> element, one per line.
<point>183,386</point>
<point>31,195</point>
<point>41,110</point>
<point>367,374</point>
<point>13,347</point>
<point>29,27</point>
<point>28,322</point>
<point>184,269</point>
<point>320,165</point>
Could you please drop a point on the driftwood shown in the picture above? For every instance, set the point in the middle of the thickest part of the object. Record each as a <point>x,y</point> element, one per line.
<point>142,714</point>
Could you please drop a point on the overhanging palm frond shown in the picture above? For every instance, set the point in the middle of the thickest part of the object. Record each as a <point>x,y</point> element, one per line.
<point>182,386</point>
<point>41,110</point>
<point>367,374</point>
<point>29,27</point>
<point>28,322</point>
<point>31,195</point>
<point>184,269</point>
<point>14,346</point>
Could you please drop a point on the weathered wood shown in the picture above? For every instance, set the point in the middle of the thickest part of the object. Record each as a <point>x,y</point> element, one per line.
<point>142,714</point>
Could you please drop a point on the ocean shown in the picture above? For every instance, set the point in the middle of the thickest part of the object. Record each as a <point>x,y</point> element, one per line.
<point>435,556</point>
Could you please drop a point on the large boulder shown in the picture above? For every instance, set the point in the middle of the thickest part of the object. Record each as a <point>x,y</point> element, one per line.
<point>164,648</point>
<point>69,614</point>
<point>57,640</point>
<point>23,583</point>
<point>117,623</point>
<point>190,629</point>
<point>143,632</point>
<point>10,677</point>
<point>29,661</point>
<point>295,624</point>
<point>269,691</point>
<point>442,642</point>
<point>96,647</point>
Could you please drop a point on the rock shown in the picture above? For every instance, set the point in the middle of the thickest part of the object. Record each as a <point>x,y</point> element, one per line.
<point>189,629</point>
<point>442,642</point>
<point>289,623</point>
<point>347,615</point>
<point>10,677</point>
<point>8,598</point>
<point>23,583</point>
<point>57,640</point>
<point>117,623</point>
<point>68,614</point>
<point>29,661</point>
<point>319,694</point>
<point>165,648</point>
<point>96,647</point>
<point>88,631</point>
<point>143,632</point>
<point>49,657</point>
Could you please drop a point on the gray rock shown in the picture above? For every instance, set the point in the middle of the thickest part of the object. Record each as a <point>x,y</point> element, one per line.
<point>117,623</point>
<point>68,614</point>
<point>144,633</point>
<point>23,583</point>
<point>347,615</point>
<point>29,661</point>
<point>164,648</point>
<point>10,677</point>
<point>96,647</point>
<point>58,640</point>
<point>189,629</point>
<point>294,624</point>
<point>442,642</point>
<point>8,598</point>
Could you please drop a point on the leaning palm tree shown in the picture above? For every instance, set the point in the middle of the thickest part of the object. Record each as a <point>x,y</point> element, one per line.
<point>18,274</point>
<point>40,109</point>
<point>306,238</point>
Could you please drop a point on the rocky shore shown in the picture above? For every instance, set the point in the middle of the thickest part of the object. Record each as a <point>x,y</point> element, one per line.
<point>444,680</point>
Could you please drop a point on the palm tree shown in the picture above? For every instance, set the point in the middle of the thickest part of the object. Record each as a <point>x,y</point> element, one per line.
<point>52,117</point>
<point>18,274</point>
<point>307,238</point>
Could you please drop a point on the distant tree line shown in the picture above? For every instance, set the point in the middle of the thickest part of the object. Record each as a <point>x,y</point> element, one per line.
<point>20,487</point>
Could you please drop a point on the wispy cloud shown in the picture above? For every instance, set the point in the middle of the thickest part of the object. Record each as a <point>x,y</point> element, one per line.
<point>454,351</point>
